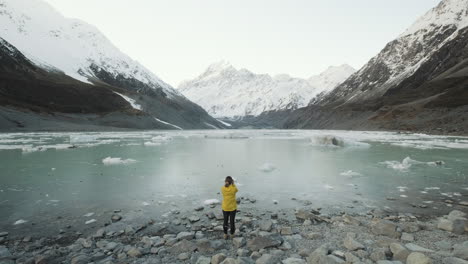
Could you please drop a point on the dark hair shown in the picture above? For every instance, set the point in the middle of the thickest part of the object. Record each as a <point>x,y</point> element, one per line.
<point>229,181</point>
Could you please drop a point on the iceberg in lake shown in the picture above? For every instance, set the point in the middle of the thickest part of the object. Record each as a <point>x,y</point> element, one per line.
<point>116,161</point>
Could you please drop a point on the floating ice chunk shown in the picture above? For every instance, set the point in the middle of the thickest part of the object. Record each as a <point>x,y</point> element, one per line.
<point>428,202</point>
<point>350,173</point>
<point>211,201</point>
<point>457,194</point>
<point>88,215</point>
<point>82,138</point>
<point>435,163</point>
<point>402,188</point>
<point>328,187</point>
<point>267,167</point>
<point>334,141</point>
<point>431,188</point>
<point>90,221</point>
<point>145,203</point>
<point>403,196</point>
<point>152,144</point>
<point>401,166</point>
<point>19,222</point>
<point>115,161</point>
<point>52,169</point>
<point>161,138</point>
<point>423,192</point>
<point>166,214</point>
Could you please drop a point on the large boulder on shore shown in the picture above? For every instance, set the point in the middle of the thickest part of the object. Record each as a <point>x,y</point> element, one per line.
<point>321,256</point>
<point>453,260</point>
<point>352,244</point>
<point>183,246</point>
<point>385,228</point>
<point>455,222</point>
<point>461,250</point>
<point>258,243</point>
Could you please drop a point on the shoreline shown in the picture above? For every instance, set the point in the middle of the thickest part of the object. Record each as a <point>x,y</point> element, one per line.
<point>301,235</point>
<point>121,129</point>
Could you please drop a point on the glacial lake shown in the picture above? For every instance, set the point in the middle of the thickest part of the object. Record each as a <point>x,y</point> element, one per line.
<point>52,180</point>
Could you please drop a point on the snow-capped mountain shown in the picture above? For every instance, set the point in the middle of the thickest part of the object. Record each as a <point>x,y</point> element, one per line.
<point>69,45</point>
<point>79,50</point>
<point>417,82</point>
<point>403,56</point>
<point>225,91</point>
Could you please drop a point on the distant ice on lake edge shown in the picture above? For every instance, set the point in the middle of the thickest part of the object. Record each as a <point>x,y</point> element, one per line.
<point>41,141</point>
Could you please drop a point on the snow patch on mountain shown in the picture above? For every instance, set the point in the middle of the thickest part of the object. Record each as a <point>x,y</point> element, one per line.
<point>331,77</point>
<point>68,45</point>
<point>224,91</point>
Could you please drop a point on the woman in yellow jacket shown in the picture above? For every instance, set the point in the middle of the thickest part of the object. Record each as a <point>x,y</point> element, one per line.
<point>229,205</point>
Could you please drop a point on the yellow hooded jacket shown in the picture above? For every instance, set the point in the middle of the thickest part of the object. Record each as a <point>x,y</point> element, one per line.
<point>229,198</point>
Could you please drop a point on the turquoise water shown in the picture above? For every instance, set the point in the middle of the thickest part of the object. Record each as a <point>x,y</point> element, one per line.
<point>66,175</point>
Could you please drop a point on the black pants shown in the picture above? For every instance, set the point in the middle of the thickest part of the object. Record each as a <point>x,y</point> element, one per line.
<point>231,216</point>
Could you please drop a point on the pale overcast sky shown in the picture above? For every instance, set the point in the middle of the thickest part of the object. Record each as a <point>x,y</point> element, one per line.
<point>178,39</point>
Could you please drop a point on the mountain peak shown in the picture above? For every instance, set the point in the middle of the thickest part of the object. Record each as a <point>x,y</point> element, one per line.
<point>331,77</point>
<point>219,66</point>
<point>447,12</point>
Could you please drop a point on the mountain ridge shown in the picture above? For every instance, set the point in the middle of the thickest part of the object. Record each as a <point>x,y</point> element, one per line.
<point>80,51</point>
<point>416,83</point>
<point>225,91</point>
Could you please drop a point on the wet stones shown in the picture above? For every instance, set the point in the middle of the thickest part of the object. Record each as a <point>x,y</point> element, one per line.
<point>134,252</point>
<point>414,247</point>
<point>352,244</point>
<point>399,252</point>
<point>5,253</point>
<point>266,225</point>
<point>258,243</point>
<point>203,260</point>
<point>185,235</point>
<point>218,258</point>
<point>238,242</point>
<point>418,258</point>
<point>194,219</point>
<point>407,237</point>
<point>293,261</point>
<point>116,218</point>
<point>183,246</point>
<point>199,208</point>
<point>286,231</point>
<point>461,250</point>
<point>452,260</point>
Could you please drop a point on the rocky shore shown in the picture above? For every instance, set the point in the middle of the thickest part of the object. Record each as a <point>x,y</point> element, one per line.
<point>295,236</point>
